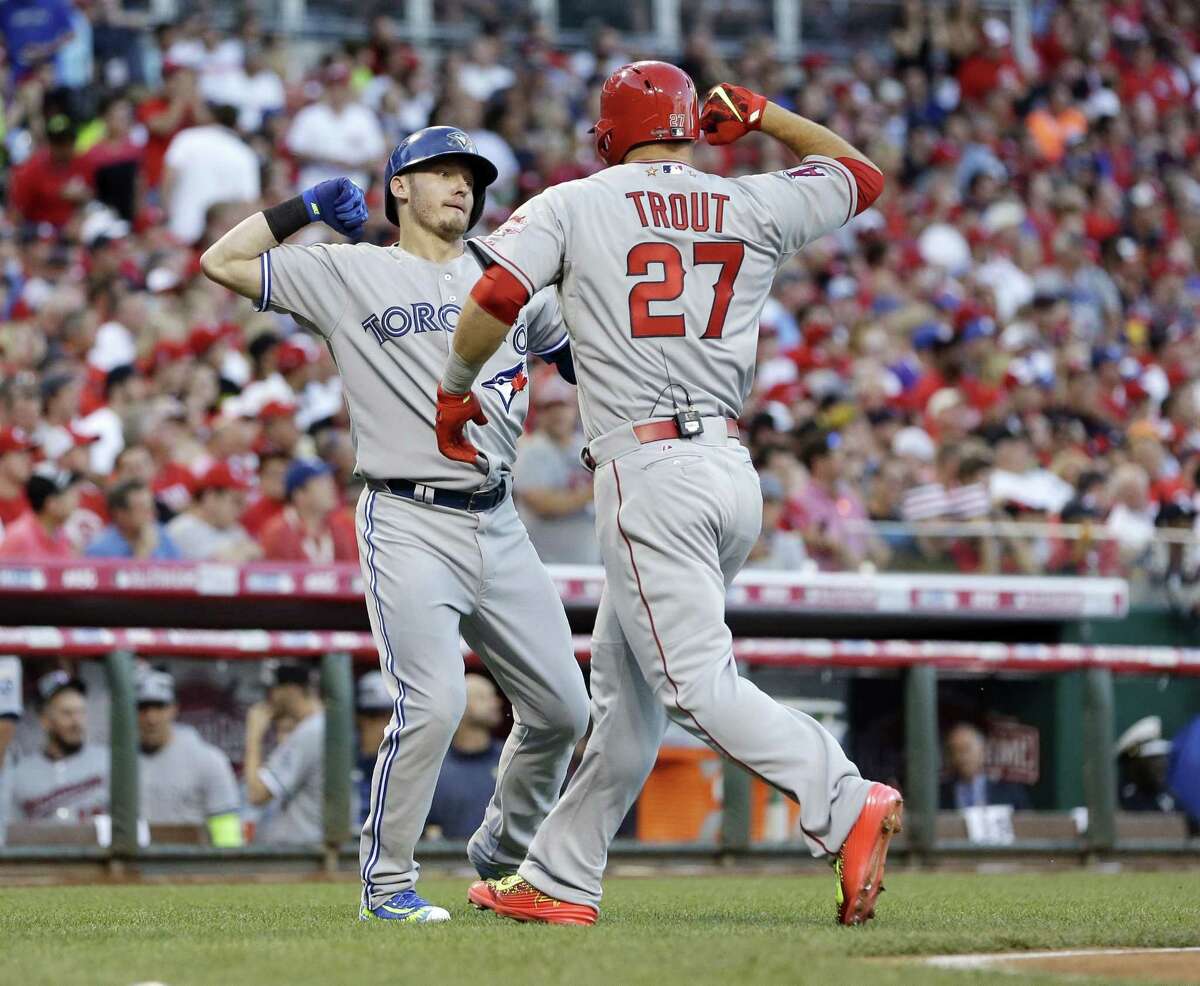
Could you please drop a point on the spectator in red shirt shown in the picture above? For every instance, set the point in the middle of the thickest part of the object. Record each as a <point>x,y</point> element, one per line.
<point>54,181</point>
<point>116,158</point>
<point>313,527</point>
<point>272,478</point>
<point>280,432</point>
<point>180,106</point>
<point>15,468</point>
<point>1148,76</point>
<point>40,534</point>
<point>990,68</point>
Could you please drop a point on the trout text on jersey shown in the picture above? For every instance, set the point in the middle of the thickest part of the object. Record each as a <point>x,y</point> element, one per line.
<point>697,211</point>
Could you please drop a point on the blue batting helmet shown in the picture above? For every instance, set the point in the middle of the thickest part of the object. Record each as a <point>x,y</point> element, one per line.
<point>437,142</point>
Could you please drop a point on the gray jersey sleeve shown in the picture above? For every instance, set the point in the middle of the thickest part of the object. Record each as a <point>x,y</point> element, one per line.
<point>303,281</point>
<point>544,323</point>
<point>219,785</point>
<point>531,245</point>
<point>291,763</point>
<point>10,688</point>
<point>804,203</point>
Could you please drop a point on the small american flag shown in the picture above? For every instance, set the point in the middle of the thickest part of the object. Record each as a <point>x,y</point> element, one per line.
<point>969,501</point>
<point>924,502</point>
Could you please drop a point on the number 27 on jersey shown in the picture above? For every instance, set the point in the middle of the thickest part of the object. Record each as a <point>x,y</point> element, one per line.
<point>727,254</point>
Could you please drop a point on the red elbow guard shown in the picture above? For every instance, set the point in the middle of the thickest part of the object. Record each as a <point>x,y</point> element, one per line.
<point>499,294</point>
<point>869,180</point>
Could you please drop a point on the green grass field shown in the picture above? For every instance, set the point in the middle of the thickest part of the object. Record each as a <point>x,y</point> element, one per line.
<point>663,931</point>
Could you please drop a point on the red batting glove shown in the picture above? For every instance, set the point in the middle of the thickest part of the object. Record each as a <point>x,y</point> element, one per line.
<point>731,112</point>
<point>453,413</point>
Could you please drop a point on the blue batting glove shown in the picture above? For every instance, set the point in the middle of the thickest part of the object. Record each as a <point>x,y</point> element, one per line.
<point>339,204</point>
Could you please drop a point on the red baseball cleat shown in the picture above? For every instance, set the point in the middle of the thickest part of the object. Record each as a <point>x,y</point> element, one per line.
<point>513,898</point>
<point>859,864</point>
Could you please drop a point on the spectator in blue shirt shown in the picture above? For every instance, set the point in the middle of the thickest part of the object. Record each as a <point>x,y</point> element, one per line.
<point>135,531</point>
<point>468,775</point>
<point>34,31</point>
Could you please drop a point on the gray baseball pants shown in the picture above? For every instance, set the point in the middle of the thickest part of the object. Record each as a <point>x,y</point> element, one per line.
<point>676,520</point>
<point>431,574</point>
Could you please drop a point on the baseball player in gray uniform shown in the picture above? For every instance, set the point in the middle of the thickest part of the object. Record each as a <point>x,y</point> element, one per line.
<point>291,783</point>
<point>182,779</point>
<point>663,314</point>
<point>442,549</point>
<point>66,781</point>
<point>11,709</point>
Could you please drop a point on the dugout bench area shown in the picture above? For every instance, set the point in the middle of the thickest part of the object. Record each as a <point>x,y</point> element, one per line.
<point>1067,654</point>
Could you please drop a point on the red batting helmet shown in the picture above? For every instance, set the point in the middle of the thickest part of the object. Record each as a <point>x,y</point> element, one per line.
<point>642,103</point>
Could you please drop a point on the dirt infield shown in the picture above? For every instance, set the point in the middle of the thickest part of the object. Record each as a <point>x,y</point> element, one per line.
<point>1156,965</point>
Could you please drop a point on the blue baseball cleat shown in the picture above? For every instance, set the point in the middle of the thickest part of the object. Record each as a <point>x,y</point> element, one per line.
<point>408,907</point>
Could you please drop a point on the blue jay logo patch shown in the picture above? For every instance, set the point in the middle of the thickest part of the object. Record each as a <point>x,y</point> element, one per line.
<point>508,383</point>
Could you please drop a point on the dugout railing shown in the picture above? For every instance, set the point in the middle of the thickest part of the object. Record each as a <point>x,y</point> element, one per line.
<point>990,609</point>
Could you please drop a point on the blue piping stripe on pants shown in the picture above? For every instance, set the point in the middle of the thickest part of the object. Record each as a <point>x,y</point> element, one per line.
<point>397,709</point>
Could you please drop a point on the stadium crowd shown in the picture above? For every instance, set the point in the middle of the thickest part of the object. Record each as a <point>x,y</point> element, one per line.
<point>1009,336</point>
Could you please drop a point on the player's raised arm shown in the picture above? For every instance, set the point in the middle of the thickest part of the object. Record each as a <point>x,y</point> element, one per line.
<point>732,111</point>
<point>234,260</point>
<point>835,182</point>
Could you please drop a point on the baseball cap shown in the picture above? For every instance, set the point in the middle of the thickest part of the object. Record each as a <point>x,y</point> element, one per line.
<point>914,442</point>
<point>371,693</point>
<point>1143,739</point>
<point>47,481</point>
<point>155,688</point>
<point>276,409</point>
<point>301,471</point>
<point>291,356</point>
<point>277,672</point>
<point>51,684</point>
<point>13,439</point>
<point>552,389</point>
<point>219,476</point>
<point>60,128</point>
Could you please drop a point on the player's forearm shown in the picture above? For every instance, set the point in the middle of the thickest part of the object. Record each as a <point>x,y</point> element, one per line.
<point>7,728</point>
<point>233,261</point>
<point>804,137</point>
<point>477,337</point>
<point>555,503</point>
<point>257,793</point>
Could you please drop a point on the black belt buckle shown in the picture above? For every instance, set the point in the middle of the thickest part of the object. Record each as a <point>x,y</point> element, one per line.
<point>492,496</point>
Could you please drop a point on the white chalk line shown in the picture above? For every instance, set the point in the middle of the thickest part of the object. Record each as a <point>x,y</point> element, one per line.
<point>984,959</point>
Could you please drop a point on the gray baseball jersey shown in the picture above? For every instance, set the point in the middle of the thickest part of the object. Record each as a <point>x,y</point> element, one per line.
<point>11,707</point>
<point>660,265</point>
<point>663,272</point>
<point>67,791</point>
<point>186,782</point>
<point>387,317</point>
<point>433,572</point>
<point>295,775</point>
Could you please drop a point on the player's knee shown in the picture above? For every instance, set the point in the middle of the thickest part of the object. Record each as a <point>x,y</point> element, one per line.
<point>447,702</point>
<point>567,717</point>
<point>684,697</point>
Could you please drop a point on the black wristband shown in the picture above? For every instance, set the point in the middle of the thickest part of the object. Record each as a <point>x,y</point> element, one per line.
<point>286,218</point>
